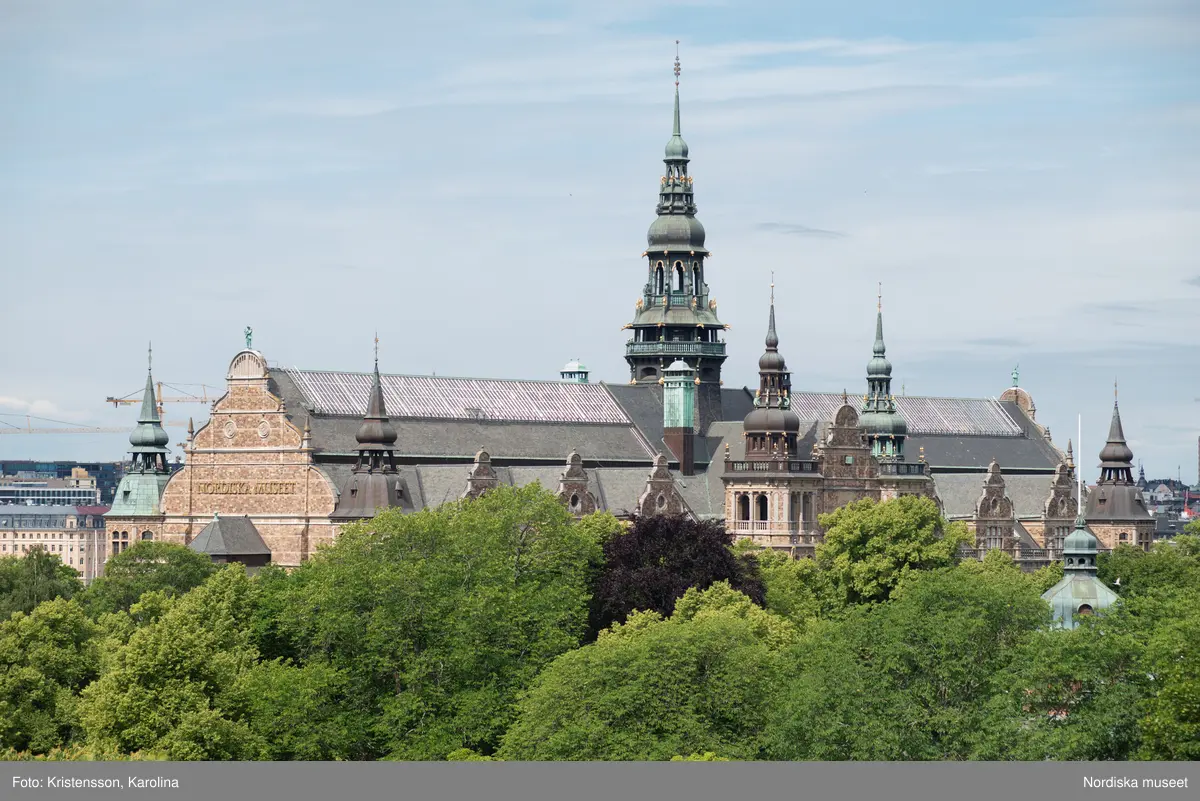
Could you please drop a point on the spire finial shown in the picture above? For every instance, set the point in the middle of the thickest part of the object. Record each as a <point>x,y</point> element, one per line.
<point>879,307</point>
<point>1114,392</point>
<point>772,287</point>
<point>377,351</point>
<point>676,62</point>
<point>149,357</point>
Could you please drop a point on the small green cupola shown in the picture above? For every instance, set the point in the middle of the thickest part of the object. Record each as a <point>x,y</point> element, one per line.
<point>574,372</point>
<point>1080,592</point>
<point>879,418</point>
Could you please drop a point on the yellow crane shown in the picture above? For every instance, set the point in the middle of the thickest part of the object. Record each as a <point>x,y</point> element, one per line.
<point>160,399</point>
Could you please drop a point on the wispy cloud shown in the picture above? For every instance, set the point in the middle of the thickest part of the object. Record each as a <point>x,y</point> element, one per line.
<point>796,229</point>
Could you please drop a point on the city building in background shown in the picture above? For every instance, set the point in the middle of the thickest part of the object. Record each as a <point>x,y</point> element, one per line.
<point>75,534</point>
<point>79,488</point>
<point>106,474</point>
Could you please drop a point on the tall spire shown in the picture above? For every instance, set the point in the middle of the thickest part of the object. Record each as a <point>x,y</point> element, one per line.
<point>883,424</point>
<point>149,439</point>
<point>375,436</point>
<point>1116,459</point>
<point>676,317</point>
<point>771,428</point>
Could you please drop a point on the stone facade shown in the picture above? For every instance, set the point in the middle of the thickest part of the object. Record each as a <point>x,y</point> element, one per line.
<point>776,503</point>
<point>250,459</point>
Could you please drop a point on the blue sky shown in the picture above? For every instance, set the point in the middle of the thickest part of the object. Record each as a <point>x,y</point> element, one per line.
<point>475,180</point>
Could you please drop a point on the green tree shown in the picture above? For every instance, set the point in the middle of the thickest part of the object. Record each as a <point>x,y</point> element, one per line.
<point>870,547</point>
<point>29,580</point>
<point>658,558</point>
<point>301,712</point>
<point>46,658</point>
<point>1069,695</point>
<point>1170,724</point>
<point>906,679</point>
<point>171,686</point>
<point>145,567</point>
<point>1166,568</point>
<point>654,688</point>
<point>796,589</point>
<point>439,619</point>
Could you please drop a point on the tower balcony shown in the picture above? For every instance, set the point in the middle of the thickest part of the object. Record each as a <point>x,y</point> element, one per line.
<point>902,468</point>
<point>673,348</point>
<point>775,466</point>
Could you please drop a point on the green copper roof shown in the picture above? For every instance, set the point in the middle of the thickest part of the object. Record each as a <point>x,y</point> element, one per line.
<point>139,495</point>
<point>884,425</point>
<point>149,436</point>
<point>1079,588</point>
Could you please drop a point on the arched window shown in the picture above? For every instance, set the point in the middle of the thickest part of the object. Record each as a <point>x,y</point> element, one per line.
<point>761,502</point>
<point>678,276</point>
<point>147,535</point>
<point>658,279</point>
<point>743,510</point>
<point>696,278</point>
<point>1084,610</point>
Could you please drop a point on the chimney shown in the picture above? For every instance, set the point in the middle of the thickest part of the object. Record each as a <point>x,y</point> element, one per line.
<point>679,411</point>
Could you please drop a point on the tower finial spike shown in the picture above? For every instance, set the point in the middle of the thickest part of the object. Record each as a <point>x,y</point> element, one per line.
<point>149,357</point>
<point>676,62</point>
<point>772,287</point>
<point>879,307</point>
<point>377,351</point>
<point>1114,392</point>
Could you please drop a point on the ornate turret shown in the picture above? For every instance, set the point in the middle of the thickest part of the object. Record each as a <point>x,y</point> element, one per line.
<point>140,491</point>
<point>1116,506</point>
<point>881,422</point>
<point>771,429</point>
<point>149,440</point>
<point>1080,592</point>
<point>374,483</point>
<point>674,317</point>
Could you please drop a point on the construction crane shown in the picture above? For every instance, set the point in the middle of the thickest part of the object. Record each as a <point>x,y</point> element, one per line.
<point>160,399</point>
<point>66,427</point>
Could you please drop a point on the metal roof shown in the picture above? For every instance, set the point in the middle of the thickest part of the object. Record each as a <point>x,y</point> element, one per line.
<point>346,394</point>
<point>961,416</point>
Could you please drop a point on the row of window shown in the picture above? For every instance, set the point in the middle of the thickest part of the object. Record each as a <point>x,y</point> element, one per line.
<point>677,282</point>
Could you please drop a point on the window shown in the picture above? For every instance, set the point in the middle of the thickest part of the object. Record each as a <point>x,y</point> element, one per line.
<point>1084,610</point>
<point>678,276</point>
<point>147,535</point>
<point>849,460</point>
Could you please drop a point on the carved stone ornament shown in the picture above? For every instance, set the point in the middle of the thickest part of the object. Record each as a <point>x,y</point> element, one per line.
<point>230,429</point>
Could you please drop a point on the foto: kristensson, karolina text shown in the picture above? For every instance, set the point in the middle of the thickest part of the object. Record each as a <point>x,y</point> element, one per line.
<point>77,783</point>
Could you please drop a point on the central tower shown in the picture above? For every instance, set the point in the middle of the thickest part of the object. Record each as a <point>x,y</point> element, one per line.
<point>675,318</point>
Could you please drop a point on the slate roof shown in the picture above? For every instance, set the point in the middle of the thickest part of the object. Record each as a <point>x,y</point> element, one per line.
<point>424,438</point>
<point>436,397</point>
<point>230,536</point>
<point>960,492</point>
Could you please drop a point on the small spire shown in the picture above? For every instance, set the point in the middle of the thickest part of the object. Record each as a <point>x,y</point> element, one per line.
<point>377,350</point>
<point>150,357</point>
<point>772,340</point>
<point>1114,393</point>
<point>676,131</point>
<point>879,307</point>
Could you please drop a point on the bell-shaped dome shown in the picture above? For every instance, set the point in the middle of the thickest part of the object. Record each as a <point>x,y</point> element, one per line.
<point>770,420</point>
<point>677,231</point>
